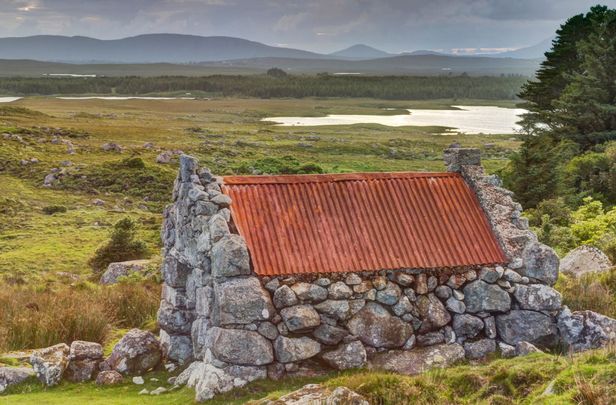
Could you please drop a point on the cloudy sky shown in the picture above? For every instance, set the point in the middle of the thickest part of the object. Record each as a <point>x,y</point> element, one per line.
<point>317,25</point>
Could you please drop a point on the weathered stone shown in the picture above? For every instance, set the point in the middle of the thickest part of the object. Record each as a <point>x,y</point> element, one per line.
<point>362,287</point>
<point>49,363</point>
<point>198,336</point>
<point>284,297</point>
<point>421,284</point>
<point>537,297</point>
<point>230,257</point>
<point>339,291</point>
<point>241,347</point>
<point>410,294</point>
<point>375,326</point>
<point>418,360</point>
<point>521,325</point>
<point>525,348</point>
<point>329,334</point>
<point>137,352</point>
<point>480,296</point>
<point>204,298</point>
<point>585,259</point>
<point>540,263</point>
<point>352,279</point>
<point>443,292</point>
<point>490,327</point>
<point>455,305</point>
<point>177,348</point>
<point>317,394</point>
<point>222,200</point>
<point>241,301</point>
<point>507,351</point>
<point>10,376</point>
<point>389,295</point>
<point>219,228</point>
<point>268,330</point>
<point>479,349</point>
<point>457,294</point>
<point>323,282</point>
<point>351,355</point>
<point>174,320</point>
<point>338,309</point>
<point>300,318</point>
<point>82,350</point>
<point>457,158</point>
<point>175,272</point>
<point>583,330</point>
<point>310,292</point>
<point>405,280</point>
<point>295,349</point>
<point>379,282</point>
<point>403,306</point>
<point>467,326</point>
<point>430,339</point>
<point>176,297</point>
<point>356,305</point>
<point>512,276</point>
<point>489,275</point>
<point>211,381</point>
<point>432,312</point>
<point>109,377</point>
<point>272,285</point>
<point>81,370</point>
<point>122,269</point>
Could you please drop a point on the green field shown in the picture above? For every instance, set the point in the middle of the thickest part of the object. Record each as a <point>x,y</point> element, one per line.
<point>225,134</point>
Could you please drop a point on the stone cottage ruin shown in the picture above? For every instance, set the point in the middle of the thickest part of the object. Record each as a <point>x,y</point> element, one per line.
<point>267,276</point>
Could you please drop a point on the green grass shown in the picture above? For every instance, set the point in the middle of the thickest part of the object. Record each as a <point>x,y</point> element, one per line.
<point>588,378</point>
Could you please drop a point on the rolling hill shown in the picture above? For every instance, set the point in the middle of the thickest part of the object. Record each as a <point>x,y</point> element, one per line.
<point>360,51</point>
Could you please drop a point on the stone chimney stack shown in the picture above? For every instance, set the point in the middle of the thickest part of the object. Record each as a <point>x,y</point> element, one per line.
<point>456,157</point>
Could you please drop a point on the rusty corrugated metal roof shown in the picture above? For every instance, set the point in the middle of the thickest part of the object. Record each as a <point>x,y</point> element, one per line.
<point>300,224</point>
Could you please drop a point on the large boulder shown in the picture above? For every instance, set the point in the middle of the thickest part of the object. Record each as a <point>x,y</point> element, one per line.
<point>585,259</point>
<point>10,376</point>
<point>350,355</point>
<point>376,327</point>
<point>317,394</point>
<point>432,312</point>
<point>418,360</point>
<point>84,358</point>
<point>300,318</point>
<point>479,349</point>
<point>230,257</point>
<point>122,269</point>
<point>241,301</point>
<point>540,263</point>
<point>583,330</point>
<point>480,296</point>
<point>537,297</point>
<point>530,326</point>
<point>50,363</point>
<point>136,353</point>
<point>295,349</point>
<point>241,347</point>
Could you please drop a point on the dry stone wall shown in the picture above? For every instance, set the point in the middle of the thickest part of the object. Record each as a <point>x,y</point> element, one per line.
<point>234,327</point>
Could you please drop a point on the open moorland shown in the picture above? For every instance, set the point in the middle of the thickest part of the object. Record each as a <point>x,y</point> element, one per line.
<point>226,134</point>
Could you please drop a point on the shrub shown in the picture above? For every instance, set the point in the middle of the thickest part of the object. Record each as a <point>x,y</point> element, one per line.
<point>53,209</point>
<point>282,165</point>
<point>30,318</point>
<point>592,291</point>
<point>121,246</point>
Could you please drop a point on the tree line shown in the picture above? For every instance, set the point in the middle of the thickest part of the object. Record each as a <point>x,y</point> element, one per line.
<point>275,86</point>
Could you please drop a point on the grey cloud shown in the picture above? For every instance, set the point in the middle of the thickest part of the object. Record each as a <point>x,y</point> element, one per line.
<point>320,25</point>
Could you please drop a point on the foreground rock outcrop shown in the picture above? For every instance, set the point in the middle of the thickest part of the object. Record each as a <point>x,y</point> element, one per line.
<point>585,259</point>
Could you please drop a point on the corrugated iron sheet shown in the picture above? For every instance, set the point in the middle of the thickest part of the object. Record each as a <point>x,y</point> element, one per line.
<point>300,224</point>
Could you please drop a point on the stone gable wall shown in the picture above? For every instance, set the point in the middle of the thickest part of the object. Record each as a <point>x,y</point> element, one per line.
<point>234,327</point>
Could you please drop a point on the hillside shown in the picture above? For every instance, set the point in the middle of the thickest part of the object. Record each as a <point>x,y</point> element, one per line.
<point>173,48</point>
<point>360,51</point>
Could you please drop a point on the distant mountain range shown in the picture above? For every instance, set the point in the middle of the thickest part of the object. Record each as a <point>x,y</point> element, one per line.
<point>193,55</point>
<point>176,48</point>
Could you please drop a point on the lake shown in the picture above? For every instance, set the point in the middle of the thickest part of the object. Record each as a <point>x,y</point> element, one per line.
<point>8,99</point>
<point>465,119</point>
